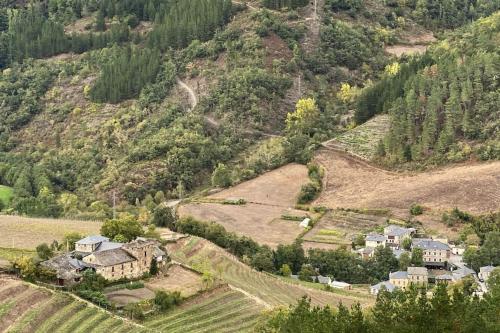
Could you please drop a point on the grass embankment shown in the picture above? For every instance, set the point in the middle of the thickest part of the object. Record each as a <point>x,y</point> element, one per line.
<point>5,194</point>
<point>11,254</point>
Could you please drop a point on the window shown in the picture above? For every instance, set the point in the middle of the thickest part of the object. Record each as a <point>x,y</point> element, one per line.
<point>122,267</point>
<point>144,253</point>
<point>113,269</point>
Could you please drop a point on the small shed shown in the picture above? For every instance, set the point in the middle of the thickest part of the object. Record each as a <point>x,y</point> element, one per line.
<point>341,285</point>
<point>305,223</point>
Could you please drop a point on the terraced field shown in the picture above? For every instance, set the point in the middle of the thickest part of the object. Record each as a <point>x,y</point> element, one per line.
<point>226,310</point>
<point>362,140</point>
<point>25,308</point>
<point>338,227</point>
<point>264,288</point>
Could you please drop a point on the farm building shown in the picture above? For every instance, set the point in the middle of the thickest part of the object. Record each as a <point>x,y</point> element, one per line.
<point>341,285</point>
<point>112,260</point>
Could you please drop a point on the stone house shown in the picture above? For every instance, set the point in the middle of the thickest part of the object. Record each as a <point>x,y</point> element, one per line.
<point>375,240</point>
<point>414,275</point>
<point>112,260</point>
<point>484,272</point>
<point>395,235</point>
<point>435,253</point>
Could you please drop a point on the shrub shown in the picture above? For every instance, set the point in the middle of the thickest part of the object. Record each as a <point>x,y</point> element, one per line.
<point>416,209</point>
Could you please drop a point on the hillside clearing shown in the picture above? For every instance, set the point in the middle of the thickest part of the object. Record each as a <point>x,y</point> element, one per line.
<point>27,233</point>
<point>267,197</point>
<point>470,187</point>
<point>265,287</point>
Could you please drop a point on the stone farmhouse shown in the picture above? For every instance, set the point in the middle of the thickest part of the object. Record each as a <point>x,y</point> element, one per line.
<point>435,253</point>
<point>395,235</point>
<point>112,260</point>
<point>414,275</point>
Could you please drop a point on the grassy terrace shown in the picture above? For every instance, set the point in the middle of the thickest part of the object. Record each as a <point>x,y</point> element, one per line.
<point>5,194</point>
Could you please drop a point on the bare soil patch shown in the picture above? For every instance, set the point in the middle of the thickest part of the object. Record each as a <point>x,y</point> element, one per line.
<point>276,48</point>
<point>470,187</point>
<point>123,297</point>
<point>27,233</point>
<point>268,197</point>
<point>399,50</point>
<point>178,278</point>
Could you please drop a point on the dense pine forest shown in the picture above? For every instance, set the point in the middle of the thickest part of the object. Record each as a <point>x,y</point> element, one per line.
<point>443,105</point>
<point>90,104</point>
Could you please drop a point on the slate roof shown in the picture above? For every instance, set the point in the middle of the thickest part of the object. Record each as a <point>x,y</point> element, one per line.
<point>65,266</point>
<point>486,269</point>
<point>367,250</point>
<point>323,279</point>
<point>394,230</point>
<point>398,275</point>
<point>112,257</point>
<point>427,244</point>
<point>94,239</point>
<point>108,246</point>
<point>339,284</point>
<point>444,277</point>
<point>397,252</point>
<point>375,238</point>
<point>461,273</point>
<point>388,286</point>
<point>418,270</point>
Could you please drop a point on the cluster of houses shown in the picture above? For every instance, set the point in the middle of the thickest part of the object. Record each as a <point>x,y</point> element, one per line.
<point>112,260</point>
<point>436,257</point>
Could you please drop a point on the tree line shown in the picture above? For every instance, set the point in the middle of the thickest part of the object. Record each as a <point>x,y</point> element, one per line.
<point>412,311</point>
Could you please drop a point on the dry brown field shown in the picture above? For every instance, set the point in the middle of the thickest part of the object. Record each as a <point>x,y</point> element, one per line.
<point>123,297</point>
<point>268,197</point>
<point>27,233</point>
<point>472,187</point>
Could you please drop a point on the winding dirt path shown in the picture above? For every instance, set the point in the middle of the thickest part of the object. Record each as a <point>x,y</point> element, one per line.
<point>193,99</point>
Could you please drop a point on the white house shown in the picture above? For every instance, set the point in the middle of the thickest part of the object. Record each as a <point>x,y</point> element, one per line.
<point>396,234</point>
<point>305,223</point>
<point>374,240</point>
<point>484,272</point>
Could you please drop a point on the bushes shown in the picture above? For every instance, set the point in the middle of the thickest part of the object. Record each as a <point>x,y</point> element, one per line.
<point>165,301</point>
<point>416,209</point>
<point>310,191</point>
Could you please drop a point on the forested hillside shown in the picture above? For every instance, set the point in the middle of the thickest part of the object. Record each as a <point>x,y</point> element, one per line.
<point>444,105</point>
<point>91,106</point>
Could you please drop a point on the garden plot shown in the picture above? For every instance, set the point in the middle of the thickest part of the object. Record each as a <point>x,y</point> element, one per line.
<point>178,278</point>
<point>338,228</point>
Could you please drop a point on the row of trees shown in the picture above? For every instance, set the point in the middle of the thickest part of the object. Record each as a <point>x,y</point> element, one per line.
<point>410,311</point>
<point>291,259</point>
